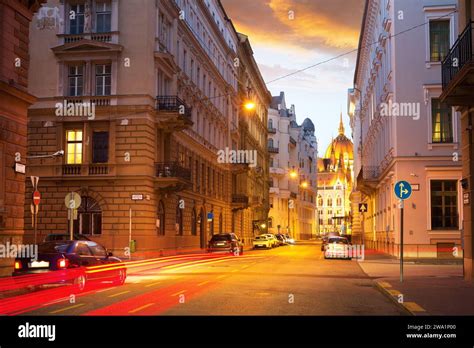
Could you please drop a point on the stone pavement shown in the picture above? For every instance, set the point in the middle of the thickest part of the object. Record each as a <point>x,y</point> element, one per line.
<point>427,289</point>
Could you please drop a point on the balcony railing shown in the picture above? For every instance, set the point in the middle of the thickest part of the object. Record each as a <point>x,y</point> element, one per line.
<point>172,170</point>
<point>173,104</point>
<point>272,149</point>
<point>459,55</point>
<point>108,37</point>
<point>272,130</point>
<point>292,141</point>
<point>92,169</point>
<point>240,198</point>
<point>370,172</point>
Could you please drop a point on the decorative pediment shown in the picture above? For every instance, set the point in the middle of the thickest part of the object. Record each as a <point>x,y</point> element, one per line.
<point>86,46</point>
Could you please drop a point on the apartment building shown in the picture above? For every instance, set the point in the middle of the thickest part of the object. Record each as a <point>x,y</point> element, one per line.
<point>161,79</point>
<point>403,131</point>
<point>250,182</point>
<point>457,82</point>
<point>293,171</point>
<point>15,17</point>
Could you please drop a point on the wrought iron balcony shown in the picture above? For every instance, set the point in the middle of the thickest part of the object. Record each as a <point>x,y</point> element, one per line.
<point>458,70</point>
<point>174,114</point>
<point>272,130</point>
<point>370,172</point>
<point>240,198</point>
<point>172,170</point>
<point>272,149</point>
<point>292,141</point>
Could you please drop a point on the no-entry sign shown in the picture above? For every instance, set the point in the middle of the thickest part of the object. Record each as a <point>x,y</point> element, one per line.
<point>36,197</point>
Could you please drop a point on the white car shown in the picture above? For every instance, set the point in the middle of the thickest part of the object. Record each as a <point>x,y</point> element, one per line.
<point>275,241</point>
<point>337,248</point>
<point>289,240</point>
<point>262,241</point>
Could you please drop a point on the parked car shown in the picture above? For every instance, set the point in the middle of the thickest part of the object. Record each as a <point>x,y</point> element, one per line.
<point>337,248</point>
<point>226,242</point>
<point>274,240</point>
<point>281,239</point>
<point>289,240</point>
<point>70,260</point>
<point>263,241</point>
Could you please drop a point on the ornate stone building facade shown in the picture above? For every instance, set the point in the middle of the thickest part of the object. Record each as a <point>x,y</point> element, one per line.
<point>163,80</point>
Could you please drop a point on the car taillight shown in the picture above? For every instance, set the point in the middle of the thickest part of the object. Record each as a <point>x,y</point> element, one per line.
<point>63,263</point>
<point>17,265</point>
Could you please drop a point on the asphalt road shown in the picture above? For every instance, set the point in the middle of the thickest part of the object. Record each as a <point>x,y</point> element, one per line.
<point>289,280</point>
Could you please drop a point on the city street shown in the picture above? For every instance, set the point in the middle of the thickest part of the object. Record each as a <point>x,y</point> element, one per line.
<point>289,280</point>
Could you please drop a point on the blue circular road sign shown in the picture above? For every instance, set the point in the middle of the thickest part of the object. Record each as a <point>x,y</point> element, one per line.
<point>402,190</point>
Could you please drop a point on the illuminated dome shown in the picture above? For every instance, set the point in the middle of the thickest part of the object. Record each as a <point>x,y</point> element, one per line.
<point>340,145</point>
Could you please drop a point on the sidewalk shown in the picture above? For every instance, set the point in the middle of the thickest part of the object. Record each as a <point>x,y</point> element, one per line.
<point>427,289</point>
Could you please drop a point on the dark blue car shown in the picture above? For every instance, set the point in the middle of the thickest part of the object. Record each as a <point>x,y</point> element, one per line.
<point>71,261</point>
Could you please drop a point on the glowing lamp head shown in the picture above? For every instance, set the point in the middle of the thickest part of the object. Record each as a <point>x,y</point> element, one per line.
<point>293,174</point>
<point>17,265</point>
<point>304,184</point>
<point>263,225</point>
<point>249,105</point>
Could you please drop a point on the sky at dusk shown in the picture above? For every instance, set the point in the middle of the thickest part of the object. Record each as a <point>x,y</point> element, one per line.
<point>288,35</point>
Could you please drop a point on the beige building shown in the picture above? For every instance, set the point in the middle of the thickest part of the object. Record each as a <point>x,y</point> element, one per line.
<point>293,171</point>
<point>250,183</point>
<point>162,79</point>
<point>403,131</point>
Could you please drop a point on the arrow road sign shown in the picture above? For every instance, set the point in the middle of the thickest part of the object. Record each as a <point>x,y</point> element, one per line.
<point>402,190</point>
<point>362,207</point>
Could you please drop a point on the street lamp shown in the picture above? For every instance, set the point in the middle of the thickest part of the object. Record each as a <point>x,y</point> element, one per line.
<point>59,153</point>
<point>249,105</point>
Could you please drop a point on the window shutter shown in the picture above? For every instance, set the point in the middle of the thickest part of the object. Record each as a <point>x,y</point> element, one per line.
<point>100,143</point>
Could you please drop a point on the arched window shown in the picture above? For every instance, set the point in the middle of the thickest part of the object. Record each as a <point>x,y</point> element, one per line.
<point>338,201</point>
<point>89,217</point>
<point>179,219</point>
<point>194,222</point>
<point>270,124</point>
<point>320,201</point>
<point>329,201</point>
<point>270,142</point>
<point>160,222</point>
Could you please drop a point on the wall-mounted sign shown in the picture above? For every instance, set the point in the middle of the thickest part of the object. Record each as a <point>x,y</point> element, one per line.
<point>465,198</point>
<point>137,197</point>
<point>20,168</point>
<point>415,187</point>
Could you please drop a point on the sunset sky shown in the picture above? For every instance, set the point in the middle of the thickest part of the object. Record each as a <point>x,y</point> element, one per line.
<point>320,29</point>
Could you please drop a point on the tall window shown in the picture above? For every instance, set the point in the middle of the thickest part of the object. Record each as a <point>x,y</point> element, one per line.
<point>74,146</point>
<point>75,80</point>
<point>320,201</point>
<point>89,217</point>
<point>221,220</point>
<point>160,222</point>
<point>444,209</point>
<point>338,201</point>
<point>442,123</point>
<point>270,142</point>
<point>179,220</point>
<point>329,203</point>
<point>439,40</point>
<point>103,73</point>
<point>76,22</point>
<point>103,16</point>
<point>194,222</point>
<point>100,147</point>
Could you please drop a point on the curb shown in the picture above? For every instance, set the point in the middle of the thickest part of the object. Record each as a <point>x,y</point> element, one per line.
<point>393,298</point>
